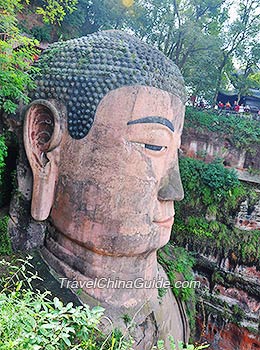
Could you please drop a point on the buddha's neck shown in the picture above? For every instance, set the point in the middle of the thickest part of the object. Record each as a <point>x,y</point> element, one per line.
<point>116,280</point>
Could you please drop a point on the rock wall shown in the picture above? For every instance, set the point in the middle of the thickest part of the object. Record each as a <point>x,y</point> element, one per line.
<point>229,310</point>
<point>248,217</point>
<point>25,233</point>
<point>229,297</point>
<point>209,145</point>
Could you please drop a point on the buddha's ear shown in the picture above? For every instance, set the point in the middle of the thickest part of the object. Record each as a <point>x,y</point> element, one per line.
<point>42,138</point>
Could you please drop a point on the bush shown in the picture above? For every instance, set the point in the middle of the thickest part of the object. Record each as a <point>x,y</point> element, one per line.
<point>3,154</point>
<point>31,320</point>
<point>5,242</point>
<point>177,260</point>
<point>208,184</point>
<point>41,33</point>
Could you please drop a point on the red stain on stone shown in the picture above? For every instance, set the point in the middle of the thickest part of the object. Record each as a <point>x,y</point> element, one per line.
<point>229,337</point>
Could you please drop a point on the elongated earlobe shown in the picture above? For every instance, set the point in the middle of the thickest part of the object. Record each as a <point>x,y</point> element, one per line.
<point>42,137</point>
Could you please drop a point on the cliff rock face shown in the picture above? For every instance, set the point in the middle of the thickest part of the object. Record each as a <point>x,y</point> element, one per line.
<point>229,309</point>
<point>248,217</point>
<point>25,233</point>
<point>228,335</point>
<point>210,145</point>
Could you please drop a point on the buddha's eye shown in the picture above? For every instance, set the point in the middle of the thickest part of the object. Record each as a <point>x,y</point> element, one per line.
<point>150,147</point>
<point>154,147</point>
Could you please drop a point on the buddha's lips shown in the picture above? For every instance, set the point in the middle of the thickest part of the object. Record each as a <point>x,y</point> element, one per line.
<point>168,222</point>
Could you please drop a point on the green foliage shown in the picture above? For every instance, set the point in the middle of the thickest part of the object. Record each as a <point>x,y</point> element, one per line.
<point>3,154</point>
<point>177,262</point>
<point>16,56</point>
<point>212,184</point>
<point>199,227</point>
<point>15,65</point>
<point>204,219</point>
<point>181,345</point>
<point>34,321</point>
<point>41,33</point>
<point>248,247</point>
<point>55,11</point>
<point>161,293</point>
<point>217,277</point>
<point>17,52</point>
<point>127,319</point>
<point>5,243</point>
<point>242,132</point>
<point>238,313</point>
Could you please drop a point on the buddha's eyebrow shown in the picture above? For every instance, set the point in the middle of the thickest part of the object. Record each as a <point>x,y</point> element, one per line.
<point>153,119</point>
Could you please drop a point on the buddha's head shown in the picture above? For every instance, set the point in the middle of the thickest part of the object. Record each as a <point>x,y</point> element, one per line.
<point>102,137</point>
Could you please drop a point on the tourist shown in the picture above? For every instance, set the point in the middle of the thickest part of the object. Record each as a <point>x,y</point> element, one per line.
<point>228,106</point>
<point>241,109</point>
<point>221,105</point>
<point>236,107</point>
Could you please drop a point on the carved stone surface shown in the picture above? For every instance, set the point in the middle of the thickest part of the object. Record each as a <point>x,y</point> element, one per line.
<point>209,145</point>
<point>81,71</point>
<point>248,217</point>
<point>109,196</point>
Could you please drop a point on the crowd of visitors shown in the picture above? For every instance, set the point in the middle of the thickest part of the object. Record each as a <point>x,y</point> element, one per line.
<point>235,107</point>
<point>227,107</point>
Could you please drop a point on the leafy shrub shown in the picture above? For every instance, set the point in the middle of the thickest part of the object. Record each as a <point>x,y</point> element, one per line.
<point>42,33</point>
<point>33,321</point>
<point>5,242</point>
<point>181,346</point>
<point>177,260</point>
<point>208,184</point>
<point>3,154</point>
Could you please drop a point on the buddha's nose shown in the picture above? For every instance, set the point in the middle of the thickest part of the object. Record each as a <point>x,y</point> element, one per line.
<point>171,188</point>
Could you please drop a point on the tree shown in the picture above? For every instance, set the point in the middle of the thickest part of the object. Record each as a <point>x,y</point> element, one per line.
<point>197,35</point>
<point>238,36</point>
<point>55,11</point>
<point>18,52</point>
<point>246,77</point>
<point>16,56</point>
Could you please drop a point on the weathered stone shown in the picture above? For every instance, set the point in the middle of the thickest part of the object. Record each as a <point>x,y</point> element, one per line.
<point>153,69</point>
<point>110,195</point>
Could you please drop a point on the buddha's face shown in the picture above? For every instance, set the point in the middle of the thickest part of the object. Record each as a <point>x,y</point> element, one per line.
<point>117,186</point>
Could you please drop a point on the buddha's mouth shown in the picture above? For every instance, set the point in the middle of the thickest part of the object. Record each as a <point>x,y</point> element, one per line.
<point>168,222</point>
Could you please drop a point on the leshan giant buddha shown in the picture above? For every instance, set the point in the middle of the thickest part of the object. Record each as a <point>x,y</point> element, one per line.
<point>102,137</point>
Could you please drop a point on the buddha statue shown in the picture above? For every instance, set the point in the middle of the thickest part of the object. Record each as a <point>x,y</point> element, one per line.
<point>102,136</point>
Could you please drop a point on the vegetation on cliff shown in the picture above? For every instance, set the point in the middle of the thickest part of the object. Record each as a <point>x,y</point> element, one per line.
<point>205,218</point>
<point>3,154</point>
<point>241,132</point>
